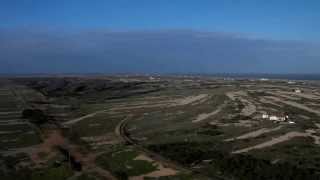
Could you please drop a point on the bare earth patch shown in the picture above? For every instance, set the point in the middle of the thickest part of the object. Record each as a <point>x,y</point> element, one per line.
<point>265,101</point>
<point>205,116</point>
<point>162,103</point>
<point>255,133</point>
<point>54,138</point>
<point>10,132</point>
<point>283,138</point>
<point>151,105</point>
<point>189,99</point>
<point>274,141</point>
<point>161,170</point>
<point>285,95</point>
<point>73,121</point>
<point>249,108</point>
<point>10,112</point>
<point>295,104</point>
<point>307,95</point>
<point>96,141</point>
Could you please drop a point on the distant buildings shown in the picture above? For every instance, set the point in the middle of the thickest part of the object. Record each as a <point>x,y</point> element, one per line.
<point>264,79</point>
<point>275,118</point>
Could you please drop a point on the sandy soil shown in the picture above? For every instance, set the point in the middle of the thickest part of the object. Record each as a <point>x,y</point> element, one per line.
<point>10,123</point>
<point>96,141</point>
<point>307,95</point>
<point>162,103</point>
<point>189,99</point>
<point>107,175</point>
<point>53,139</point>
<point>59,106</point>
<point>14,151</point>
<point>241,123</point>
<point>283,138</point>
<point>316,139</point>
<point>263,100</point>
<point>233,95</point>
<point>10,132</point>
<point>255,133</point>
<point>161,171</point>
<point>200,101</point>
<point>285,95</point>
<point>73,121</point>
<point>304,117</point>
<point>151,105</point>
<point>10,112</point>
<point>249,108</point>
<point>205,116</point>
<point>274,141</point>
<point>295,104</point>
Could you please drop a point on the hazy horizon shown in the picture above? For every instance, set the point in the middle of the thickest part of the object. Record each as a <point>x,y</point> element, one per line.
<point>274,37</point>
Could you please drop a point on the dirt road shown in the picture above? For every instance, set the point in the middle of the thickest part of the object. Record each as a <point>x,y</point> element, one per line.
<point>73,121</point>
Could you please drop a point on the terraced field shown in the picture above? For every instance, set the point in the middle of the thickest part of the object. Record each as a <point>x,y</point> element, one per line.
<point>15,132</point>
<point>172,128</point>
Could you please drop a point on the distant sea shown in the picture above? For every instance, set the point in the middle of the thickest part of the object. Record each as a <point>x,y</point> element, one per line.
<point>310,77</point>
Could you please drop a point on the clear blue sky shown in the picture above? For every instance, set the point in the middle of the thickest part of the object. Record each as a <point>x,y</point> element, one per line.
<point>276,19</point>
<point>165,36</point>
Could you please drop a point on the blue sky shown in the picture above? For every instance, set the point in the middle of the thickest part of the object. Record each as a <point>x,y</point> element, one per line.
<point>291,24</point>
<point>277,19</point>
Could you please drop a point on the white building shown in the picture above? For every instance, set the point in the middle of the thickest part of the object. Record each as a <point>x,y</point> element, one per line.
<point>275,118</point>
<point>298,91</point>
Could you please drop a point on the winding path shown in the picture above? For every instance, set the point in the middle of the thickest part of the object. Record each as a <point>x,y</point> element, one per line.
<point>120,131</point>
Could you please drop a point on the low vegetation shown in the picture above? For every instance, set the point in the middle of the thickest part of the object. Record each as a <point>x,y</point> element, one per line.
<point>172,128</point>
<point>122,163</point>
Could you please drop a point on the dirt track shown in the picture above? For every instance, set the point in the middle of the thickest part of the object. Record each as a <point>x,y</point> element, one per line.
<point>205,116</point>
<point>73,121</point>
<point>274,141</point>
<point>171,167</point>
<point>255,133</point>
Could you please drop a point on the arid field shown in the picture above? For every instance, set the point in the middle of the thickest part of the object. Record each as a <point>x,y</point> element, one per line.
<point>161,127</point>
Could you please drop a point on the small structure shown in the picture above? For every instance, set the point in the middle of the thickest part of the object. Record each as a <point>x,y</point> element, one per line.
<point>275,118</point>
<point>265,116</point>
<point>297,90</point>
